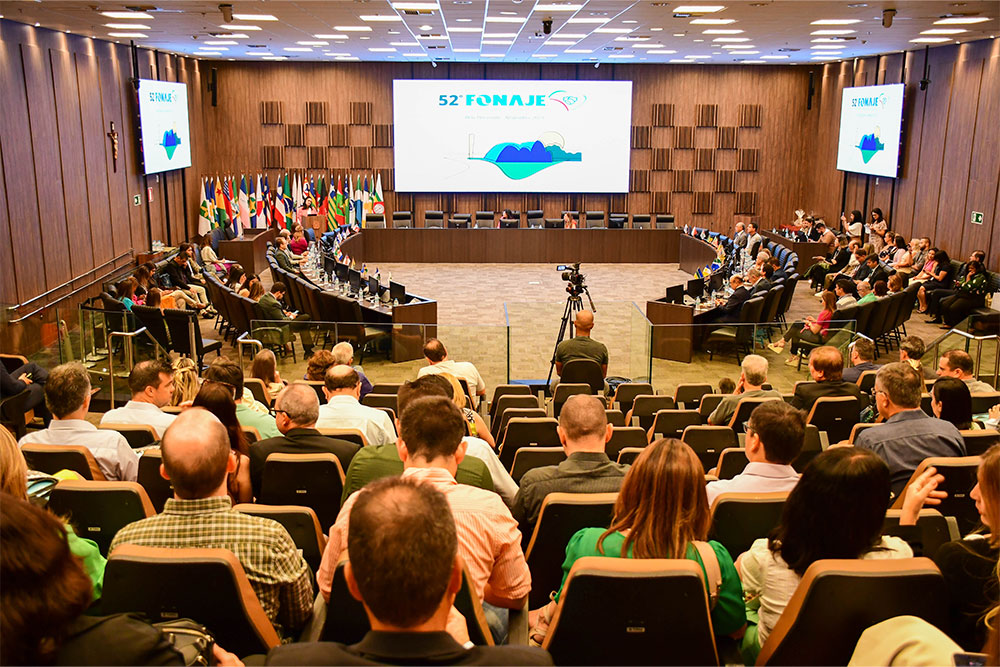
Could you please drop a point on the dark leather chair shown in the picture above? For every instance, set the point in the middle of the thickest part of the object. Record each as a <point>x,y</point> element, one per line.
<point>158,489</point>
<point>934,529</point>
<point>561,516</point>
<point>459,221</point>
<point>671,423</point>
<point>740,518</point>
<point>645,407</point>
<point>691,393</point>
<point>625,436</point>
<point>583,371</point>
<point>708,442</point>
<point>522,432</point>
<point>732,461</point>
<point>185,335</point>
<point>374,400</point>
<point>738,336</point>
<point>485,219</point>
<point>628,455</point>
<point>312,480</point>
<point>434,219</point>
<point>564,390</point>
<point>138,435</point>
<point>625,393</point>
<point>960,477</point>
<point>503,403</point>
<point>300,522</point>
<point>156,326</point>
<point>836,415</point>
<point>402,219</point>
<point>528,458</point>
<point>98,510</point>
<point>641,221</point>
<point>51,459</point>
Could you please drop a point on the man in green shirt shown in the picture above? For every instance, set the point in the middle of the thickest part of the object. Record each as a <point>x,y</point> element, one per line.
<point>226,371</point>
<point>582,346</point>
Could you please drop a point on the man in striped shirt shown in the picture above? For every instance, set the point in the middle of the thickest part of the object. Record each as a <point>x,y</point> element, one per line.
<point>430,446</point>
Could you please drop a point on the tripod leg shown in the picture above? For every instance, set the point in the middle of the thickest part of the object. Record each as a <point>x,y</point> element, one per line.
<point>566,321</point>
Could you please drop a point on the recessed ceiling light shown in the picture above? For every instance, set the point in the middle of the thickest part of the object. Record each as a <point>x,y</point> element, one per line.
<point>647,46</point>
<point>305,43</point>
<point>686,62</point>
<point>833,40</point>
<point>330,36</point>
<point>274,58</point>
<point>213,48</point>
<point>959,20</point>
<point>578,51</point>
<point>699,40</point>
<point>297,49</point>
<point>584,19</point>
<point>231,35</point>
<point>832,32</point>
<point>721,31</point>
<point>679,34</point>
<point>127,15</point>
<point>405,43</point>
<point>336,55</point>
<point>460,29</point>
<point>465,50</point>
<point>543,55</point>
<point>347,58</point>
<point>224,42</point>
<point>621,55</point>
<point>826,47</point>
<point>753,62</point>
<point>382,49</point>
<point>613,31</point>
<point>930,40</point>
<point>498,42</point>
<point>630,38</point>
<point>417,6</point>
<point>500,35</point>
<point>560,42</point>
<point>464,20</point>
<point>698,9</point>
<point>712,21</point>
<point>702,57</point>
<point>738,46</point>
<point>774,57</point>
<point>232,26</point>
<point>136,35</point>
<point>743,53</point>
<point>426,27</point>
<point>629,21</point>
<point>836,22</point>
<point>832,56</point>
<point>557,8</point>
<point>431,38</point>
<point>136,26</point>
<point>380,17</point>
<point>507,19</point>
<point>203,53</point>
<point>731,39</point>
<point>944,31</point>
<point>655,29</point>
<point>353,28</point>
<point>255,17</point>
<point>491,55</point>
<point>661,52</point>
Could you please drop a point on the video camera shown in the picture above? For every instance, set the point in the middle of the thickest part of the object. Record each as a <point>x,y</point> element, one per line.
<point>571,274</point>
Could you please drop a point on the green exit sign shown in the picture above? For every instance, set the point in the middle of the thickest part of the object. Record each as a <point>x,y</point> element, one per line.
<point>977,217</point>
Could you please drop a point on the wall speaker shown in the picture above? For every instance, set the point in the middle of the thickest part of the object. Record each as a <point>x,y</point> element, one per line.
<point>213,86</point>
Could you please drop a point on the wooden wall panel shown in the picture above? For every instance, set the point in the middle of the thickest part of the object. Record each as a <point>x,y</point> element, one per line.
<point>8,285</point>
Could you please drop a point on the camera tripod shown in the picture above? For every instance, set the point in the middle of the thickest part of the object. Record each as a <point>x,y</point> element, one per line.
<point>574,304</point>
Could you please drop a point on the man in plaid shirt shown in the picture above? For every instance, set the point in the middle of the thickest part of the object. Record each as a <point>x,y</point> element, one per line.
<point>197,459</point>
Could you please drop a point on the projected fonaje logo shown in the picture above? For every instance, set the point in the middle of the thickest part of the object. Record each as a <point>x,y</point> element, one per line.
<point>559,98</point>
<point>871,144</point>
<point>171,140</point>
<point>521,160</point>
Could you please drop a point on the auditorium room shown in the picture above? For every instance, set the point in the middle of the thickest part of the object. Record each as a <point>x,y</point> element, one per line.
<point>510,332</point>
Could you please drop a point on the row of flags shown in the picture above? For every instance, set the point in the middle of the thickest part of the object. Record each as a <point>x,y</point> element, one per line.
<point>712,240</point>
<point>250,202</point>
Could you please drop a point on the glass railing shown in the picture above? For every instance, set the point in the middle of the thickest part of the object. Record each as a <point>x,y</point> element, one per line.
<point>979,337</point>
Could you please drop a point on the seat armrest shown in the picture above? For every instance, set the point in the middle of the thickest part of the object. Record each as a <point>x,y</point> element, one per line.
<point>313,628</point>
<point>517,627</point>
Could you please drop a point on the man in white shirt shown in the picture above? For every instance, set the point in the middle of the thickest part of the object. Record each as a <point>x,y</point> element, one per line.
<point>152,386</point>
<point>437,358</point>
<point>67,394</point>
<point>343,410</point>
<point>774,439</point>
<point>844,298</point>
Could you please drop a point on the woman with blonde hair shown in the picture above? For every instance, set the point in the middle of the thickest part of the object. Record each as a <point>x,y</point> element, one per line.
<point>265,368</point>
<point>186,381</point>
<point>254,290</point>
<point>475,425</point>
<point>662,512</point>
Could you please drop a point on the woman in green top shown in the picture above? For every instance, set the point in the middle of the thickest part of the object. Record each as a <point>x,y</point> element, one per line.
<point>970,293</point>
<point>661,509</point>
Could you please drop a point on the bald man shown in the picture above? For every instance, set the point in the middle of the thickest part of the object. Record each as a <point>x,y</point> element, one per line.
<point>582,346</point>
<point>343,409</point>
<point>197,459</point>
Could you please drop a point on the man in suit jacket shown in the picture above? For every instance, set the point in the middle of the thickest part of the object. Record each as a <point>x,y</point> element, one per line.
<point>826,366</point>
<point>283,256</point>
<point>270,309</point>
<point>397,521</point>
<point>758,283</point>
<point>730,310</point>
<point>296,412</point>
<point>863,357</point>
<point>876,271</point>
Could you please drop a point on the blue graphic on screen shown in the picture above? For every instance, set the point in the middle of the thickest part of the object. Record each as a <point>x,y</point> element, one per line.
<point>170,143</point>
<point>518,161</point>
<point>869,145</point>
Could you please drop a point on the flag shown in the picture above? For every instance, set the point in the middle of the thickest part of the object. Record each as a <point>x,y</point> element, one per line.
<point>336,214</point>
<point>348,202</point>
<point>289,205</point>
<point>221,216</point>
<point>244,203</point>
<point>367,198</point>
<point>279,204</point>
<point>378,203</point>
<point>264,203</point>
<point>204,223</point>
<point>321,198</point>
<point>252,202</point>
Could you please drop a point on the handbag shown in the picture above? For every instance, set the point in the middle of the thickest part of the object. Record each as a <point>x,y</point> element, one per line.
<point>192,640</point>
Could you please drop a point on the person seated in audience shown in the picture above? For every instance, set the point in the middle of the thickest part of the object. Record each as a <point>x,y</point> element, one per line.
<point>902,259</point>
<point>739,235</point>
<point>759,285</point>
<point>14,481</point>
<point>430,446</point>
<point>480,467</point>
<point>582,345</point>
<point>920,249</point>
<point>662,511</point>
<point>952,402</point>
<point>186,381</point>
<point>265,369</point>
<point>249,412</point>
<point>255,290</point>
<point>317,365</point>
<point>779,270</point>
<point>296,412</point>
<point>729,310</point>
<point>507,215</point>
<point>762,258</point>
<point>863,357</point>
<point>343,355</point>
<point>754,240</point>
<point>826,366</point>
<point>475,425</point>
<point>753,377</point>
<point>343,410</point>
<point>154,299</point>
<point>865,294</point>
<point>184,284</point>
<point>67,395</point>
<point>271,309</point>
<point>970,293</point>
<point>895,283</point>
<point>911,351</point>
<point>197,459</point>
<point>826,236</point>
<point>236,279</point>
<point>152,385</point>
<point>876,272</point>
<point>835,511</point>
<point>936,296</point>
<point>877,229</point>
<point>406,568</point>
<point>969,565</point>
<point>144,279</point>
<point>939,276</point>
<point>584,432</point>
<point>126,293</point>
<point>926,265</point>
<point>727,386</point>
<point>959,364</point>
<point>569,222</point>
<point>905,640</point>
<point>217,398</point>
<point>832,264</point>
<point>438,362</point>
<point>856,268</point>
<point>283,256</point>
<point>191,251</point>
<point>888,250</point>
<point>299,243</point>
<point>908,435</point>
<point>811,330</point>
<point>31,377</point>
<point>854,226</point>
<point>45,592</point>
<point>880,289</point>
<point>768,271</point>
<point>774,438</point>
<point>210,259</point>
<point>843,290</point>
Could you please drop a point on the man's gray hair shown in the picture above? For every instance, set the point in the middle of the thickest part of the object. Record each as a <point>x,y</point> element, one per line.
<point>902,383</point>
<point>754,369</point>
<point>343,353</point>
<point>300,402</point>
<point>753,274</point>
